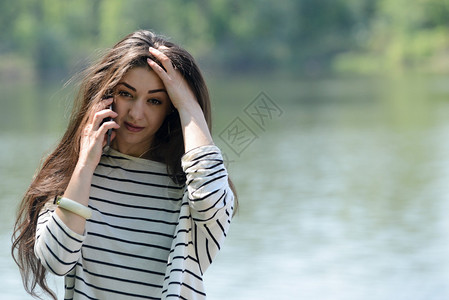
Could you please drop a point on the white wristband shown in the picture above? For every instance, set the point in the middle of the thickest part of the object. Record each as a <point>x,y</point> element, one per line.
<point>74,207</point>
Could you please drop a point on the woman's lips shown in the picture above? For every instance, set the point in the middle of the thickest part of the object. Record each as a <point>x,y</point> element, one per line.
<point>133,128</point>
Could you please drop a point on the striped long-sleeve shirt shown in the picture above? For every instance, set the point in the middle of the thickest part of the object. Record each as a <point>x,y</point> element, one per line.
<point>148,238</point>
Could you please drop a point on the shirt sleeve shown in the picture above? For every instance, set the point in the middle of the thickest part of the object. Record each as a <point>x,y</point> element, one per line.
<point>211,200</point>
<point>56,246</point>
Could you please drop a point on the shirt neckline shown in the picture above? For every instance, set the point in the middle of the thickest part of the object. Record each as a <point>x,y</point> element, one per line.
<point>139,160</point>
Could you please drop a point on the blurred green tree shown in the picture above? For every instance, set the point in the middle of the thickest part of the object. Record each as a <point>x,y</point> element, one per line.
<point>294,36</point>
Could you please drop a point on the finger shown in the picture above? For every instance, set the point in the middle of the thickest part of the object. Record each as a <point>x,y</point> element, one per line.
<point>98,107</point>
<point>106,103</point>
<point>158,69</point>
<point>104,131</point>
<point>105,140</point>
<point>106,126</point>
<point>100,116</point>
<point>165,61</point>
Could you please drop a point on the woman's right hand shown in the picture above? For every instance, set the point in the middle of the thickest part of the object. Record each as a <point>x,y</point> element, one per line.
<point>93,137</point>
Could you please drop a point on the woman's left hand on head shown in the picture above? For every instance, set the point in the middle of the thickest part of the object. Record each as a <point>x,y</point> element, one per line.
<point>177,87</point>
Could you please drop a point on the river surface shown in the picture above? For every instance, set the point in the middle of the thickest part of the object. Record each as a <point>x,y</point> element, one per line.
<point>342,183</point>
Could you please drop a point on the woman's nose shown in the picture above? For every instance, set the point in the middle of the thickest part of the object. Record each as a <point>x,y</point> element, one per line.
<point>136,110</point>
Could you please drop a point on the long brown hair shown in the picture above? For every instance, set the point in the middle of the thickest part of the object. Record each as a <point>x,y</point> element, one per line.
<point>54,175</point>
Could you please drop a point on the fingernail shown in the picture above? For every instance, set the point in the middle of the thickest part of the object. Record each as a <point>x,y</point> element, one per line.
<point>151,48</point>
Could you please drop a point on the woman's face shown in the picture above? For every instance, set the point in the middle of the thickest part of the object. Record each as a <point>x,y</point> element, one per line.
<point>142,103</point>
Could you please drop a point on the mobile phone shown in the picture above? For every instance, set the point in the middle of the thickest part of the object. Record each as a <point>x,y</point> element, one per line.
<point>109,132</point>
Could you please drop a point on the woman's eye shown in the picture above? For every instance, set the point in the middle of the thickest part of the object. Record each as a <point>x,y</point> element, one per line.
<point>154,101</point>
<point>124,94</point>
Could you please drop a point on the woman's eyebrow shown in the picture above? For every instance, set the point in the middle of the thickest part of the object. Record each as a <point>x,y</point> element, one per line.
<point>127,85</point>
<point>156,91</point>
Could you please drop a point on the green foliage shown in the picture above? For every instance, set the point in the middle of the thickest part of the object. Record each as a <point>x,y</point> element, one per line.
<point>403,36</point>
<point>287,36</point>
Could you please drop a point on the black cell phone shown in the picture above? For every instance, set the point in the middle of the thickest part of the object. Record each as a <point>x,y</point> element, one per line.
<point>109,132</point>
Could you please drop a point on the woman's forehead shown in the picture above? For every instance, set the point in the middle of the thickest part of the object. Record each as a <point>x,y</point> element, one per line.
<point>141,79</point>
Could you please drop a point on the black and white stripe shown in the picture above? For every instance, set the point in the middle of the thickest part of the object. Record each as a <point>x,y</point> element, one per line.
<point>148,238</point>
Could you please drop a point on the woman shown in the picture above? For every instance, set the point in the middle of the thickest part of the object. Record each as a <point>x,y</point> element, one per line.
<point>145,217</point>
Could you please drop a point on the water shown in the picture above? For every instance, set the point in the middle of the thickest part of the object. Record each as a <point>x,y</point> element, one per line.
<point>343,195</point>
